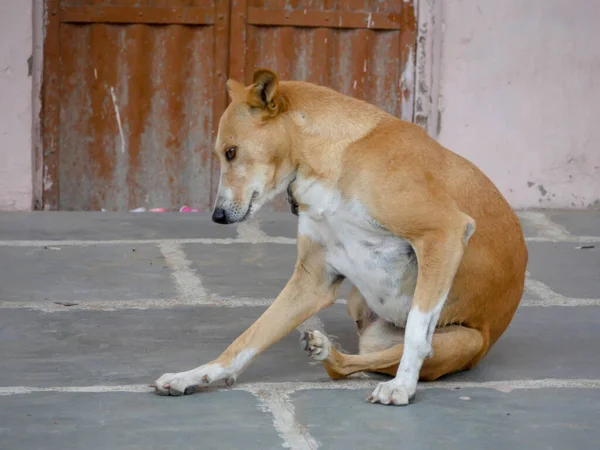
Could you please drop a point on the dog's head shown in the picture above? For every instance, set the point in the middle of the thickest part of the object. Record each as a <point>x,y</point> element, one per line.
<point>253,147</point>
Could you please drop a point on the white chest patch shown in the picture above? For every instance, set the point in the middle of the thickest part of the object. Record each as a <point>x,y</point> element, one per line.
<point>373,259</point>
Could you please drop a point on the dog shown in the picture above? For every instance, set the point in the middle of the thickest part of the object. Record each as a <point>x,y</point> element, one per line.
<point>434,252</point>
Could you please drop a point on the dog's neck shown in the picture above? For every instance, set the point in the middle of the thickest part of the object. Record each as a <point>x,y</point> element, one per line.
<point>325,114</point>
<point>321,124</point>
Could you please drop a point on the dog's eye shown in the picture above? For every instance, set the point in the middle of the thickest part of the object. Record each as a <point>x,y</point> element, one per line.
<point>230,153</point>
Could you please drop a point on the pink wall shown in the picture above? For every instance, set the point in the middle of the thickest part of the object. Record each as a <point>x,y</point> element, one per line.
<point>520,96</point>
<point>15,105</point>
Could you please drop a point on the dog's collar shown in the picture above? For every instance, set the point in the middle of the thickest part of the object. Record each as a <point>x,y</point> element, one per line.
<point>291,200</point>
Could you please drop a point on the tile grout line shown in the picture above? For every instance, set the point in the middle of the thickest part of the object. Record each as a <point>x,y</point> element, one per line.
<point>289,387</point>
<point>250,230</point>
<point>565,240</point>
<point>215,301</point>
<point>548,228</point>
<point>207,241</point>
<point>561,302</point>
<point>151,303</point>
<point>187,282</point>
<point>294,434</point>
<point>541,290</point>
<point>500,385</point>
<point>548,297</point>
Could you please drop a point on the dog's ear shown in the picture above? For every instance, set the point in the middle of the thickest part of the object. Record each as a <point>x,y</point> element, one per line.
<point>264,92</point>
<point>235,89</point>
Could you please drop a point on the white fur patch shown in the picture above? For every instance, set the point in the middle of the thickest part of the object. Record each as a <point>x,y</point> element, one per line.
<point>372,258</point>
<point>270,195</point>
<point>417,346</point>
<point>321,199</point>
<point>177,383</point>
<point>417,343</point>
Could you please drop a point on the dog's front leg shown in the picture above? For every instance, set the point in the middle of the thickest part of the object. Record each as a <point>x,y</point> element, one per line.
<point>311,288</point>
<point>439,253</point>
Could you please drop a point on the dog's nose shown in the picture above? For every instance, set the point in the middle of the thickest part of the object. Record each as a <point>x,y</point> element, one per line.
<point>219,216</point>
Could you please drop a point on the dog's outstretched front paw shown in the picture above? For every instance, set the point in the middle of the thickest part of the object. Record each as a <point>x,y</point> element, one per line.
<point>391,393</point>
<point>183,383</point>
<point>176,384</point>
<point>316,344</point>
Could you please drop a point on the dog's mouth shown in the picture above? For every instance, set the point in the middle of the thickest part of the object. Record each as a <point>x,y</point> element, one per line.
<point>250,204</point>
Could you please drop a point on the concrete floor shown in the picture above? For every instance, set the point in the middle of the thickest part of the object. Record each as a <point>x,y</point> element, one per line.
<point>95,306</point>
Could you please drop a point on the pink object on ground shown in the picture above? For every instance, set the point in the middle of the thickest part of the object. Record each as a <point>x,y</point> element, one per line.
<point>187,209</point>
<point>158,210</point>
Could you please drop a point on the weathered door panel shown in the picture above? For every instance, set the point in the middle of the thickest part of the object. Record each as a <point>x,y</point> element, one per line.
<point>136,116</point>
<point>129,102</point>
<point>362,48</point>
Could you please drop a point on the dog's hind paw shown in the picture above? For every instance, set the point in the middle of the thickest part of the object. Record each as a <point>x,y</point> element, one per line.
<point>316,344</point>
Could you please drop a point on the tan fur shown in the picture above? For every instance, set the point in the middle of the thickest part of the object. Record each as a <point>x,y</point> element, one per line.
<point>454,348</point>
<point>468,241</point>
<point>307,292</point>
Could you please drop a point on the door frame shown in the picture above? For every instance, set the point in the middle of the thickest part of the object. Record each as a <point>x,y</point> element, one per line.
<point>428,65</point>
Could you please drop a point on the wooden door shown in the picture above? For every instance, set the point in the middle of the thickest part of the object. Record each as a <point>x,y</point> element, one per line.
<point>134,89</point>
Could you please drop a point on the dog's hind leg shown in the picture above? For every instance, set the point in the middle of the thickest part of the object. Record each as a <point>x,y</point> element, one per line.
<point>455,348</point>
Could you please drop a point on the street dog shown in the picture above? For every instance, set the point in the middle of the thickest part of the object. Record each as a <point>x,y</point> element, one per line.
<point>434,252</point>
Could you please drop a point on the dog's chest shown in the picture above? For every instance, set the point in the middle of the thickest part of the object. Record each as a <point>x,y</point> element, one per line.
<point>373,259</point>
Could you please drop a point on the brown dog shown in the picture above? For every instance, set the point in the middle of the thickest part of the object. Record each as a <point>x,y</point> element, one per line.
<point>436,255</point>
